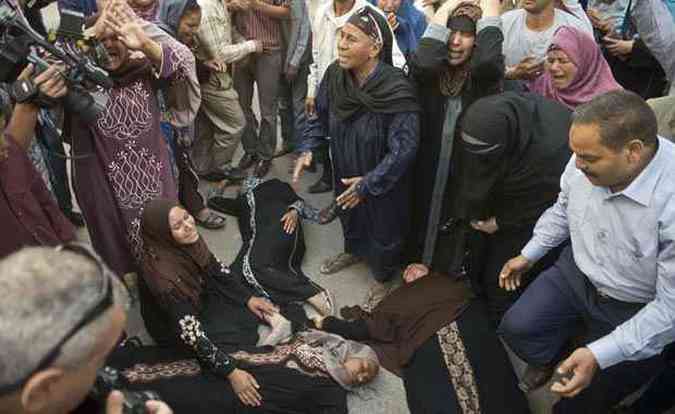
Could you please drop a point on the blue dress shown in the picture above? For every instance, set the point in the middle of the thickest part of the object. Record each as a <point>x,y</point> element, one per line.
<point>381,148</point>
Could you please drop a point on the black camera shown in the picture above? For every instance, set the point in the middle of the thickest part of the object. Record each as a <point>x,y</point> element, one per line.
<point>108,379</point>
<point>68,45</point>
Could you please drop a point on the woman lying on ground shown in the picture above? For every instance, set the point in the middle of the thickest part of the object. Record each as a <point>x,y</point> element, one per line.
<point>312,374</point>
<point>433,334</point>
<point>273,244</point>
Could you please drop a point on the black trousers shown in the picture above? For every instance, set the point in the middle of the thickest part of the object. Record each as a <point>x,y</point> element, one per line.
<point>660,396</point>
<point>487,255</point>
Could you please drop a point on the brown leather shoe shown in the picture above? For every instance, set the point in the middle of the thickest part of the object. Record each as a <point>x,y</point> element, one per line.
<point>535,377</point>
<point>247,161</point>
<point>262,168</point>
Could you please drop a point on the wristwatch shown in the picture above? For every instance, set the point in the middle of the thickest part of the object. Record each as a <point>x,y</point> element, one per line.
<point>23,91</point>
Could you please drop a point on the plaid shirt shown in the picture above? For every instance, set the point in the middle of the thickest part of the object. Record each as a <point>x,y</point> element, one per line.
<point>215,34</point>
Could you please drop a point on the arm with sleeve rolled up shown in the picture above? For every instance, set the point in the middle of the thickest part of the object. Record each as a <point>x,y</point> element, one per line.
<point>402,142</point>
<point>656,28</point>
<point>653,327</point>
<point>552,228</point>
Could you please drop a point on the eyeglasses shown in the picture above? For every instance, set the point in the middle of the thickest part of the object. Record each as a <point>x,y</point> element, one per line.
<point>104,301</point>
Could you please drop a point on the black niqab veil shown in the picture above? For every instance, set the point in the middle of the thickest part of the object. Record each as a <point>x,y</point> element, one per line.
<point>387,91</point>
<point>513,151</point>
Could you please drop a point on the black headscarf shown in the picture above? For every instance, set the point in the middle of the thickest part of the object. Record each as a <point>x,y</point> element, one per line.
<point>513,149</point>
<point>387,91</point>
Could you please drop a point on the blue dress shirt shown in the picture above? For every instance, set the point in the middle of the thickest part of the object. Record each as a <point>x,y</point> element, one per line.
<point>625,244</point>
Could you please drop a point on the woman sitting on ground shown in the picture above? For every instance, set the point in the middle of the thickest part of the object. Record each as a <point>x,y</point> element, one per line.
<point>273,247</point>
<point>191,300</point>
<point>576,70</point>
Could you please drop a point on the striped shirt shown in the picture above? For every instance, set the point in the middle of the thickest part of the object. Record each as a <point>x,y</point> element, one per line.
<point>254,25</point>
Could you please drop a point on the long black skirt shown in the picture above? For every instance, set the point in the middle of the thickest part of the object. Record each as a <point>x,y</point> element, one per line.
<point>463,369</point>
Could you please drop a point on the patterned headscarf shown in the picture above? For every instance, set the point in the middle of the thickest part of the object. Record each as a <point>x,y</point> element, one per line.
<point>365,21</point>
<point>454,77</point>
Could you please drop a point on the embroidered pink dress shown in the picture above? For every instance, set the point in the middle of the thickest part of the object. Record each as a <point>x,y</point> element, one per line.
<point>121,162</point>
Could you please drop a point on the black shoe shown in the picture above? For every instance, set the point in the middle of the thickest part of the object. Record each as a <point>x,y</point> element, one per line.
<point>262,168</point>
<point>247,161</point>
<point>75,218</point>
<point>320,187</point>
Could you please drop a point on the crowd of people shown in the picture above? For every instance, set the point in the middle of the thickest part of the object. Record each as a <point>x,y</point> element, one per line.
<point>503,169</point>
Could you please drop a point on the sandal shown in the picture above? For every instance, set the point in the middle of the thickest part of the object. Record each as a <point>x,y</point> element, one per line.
<point>339,262</point>
<point>212,221</point>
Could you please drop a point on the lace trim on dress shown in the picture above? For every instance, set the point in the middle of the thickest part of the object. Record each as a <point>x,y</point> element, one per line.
<point>459,367</point>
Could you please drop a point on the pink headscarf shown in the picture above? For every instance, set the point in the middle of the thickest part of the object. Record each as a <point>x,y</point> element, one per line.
<point>593,78</point>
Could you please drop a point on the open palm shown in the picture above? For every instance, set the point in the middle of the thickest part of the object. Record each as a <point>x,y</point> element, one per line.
<point>127,27</point>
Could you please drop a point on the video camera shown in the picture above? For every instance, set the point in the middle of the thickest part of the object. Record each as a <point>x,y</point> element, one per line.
<point>108,379</point>
<point>68,45</point>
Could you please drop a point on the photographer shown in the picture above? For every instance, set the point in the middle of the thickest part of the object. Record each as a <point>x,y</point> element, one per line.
<point>28,211</point>
<point>63,312</point>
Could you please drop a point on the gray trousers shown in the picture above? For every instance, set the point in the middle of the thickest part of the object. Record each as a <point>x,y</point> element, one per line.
<point>220,125</point>
<point>263,69</point>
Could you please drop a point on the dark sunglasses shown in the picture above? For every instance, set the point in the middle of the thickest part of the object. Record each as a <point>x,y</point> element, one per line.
<point>104,301</point>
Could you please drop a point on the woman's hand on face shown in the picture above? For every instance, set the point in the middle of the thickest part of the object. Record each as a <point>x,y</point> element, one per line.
<point>245,387</point>
<point>127,26</point>
<point>261,307</point>
<point>290,221</point>
<point>415,271</point>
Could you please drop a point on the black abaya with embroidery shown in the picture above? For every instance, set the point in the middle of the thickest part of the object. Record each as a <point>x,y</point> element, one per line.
<point>269,261</point>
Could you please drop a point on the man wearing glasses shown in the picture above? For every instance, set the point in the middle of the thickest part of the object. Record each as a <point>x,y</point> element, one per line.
<point>61,313</point>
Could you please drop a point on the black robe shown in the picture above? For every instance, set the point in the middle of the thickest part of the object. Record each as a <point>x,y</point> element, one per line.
<point>426,66</point>
<point>269,261</point>
<point>381,148</point>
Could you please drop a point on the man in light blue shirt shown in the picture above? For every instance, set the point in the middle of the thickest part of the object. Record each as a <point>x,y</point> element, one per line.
<point>617,206</point>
